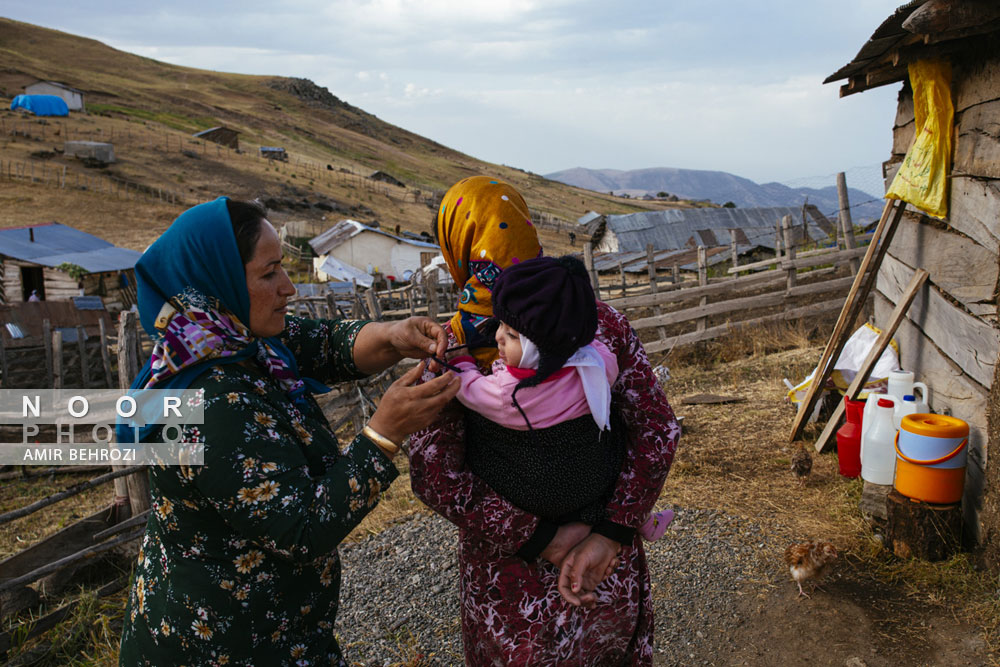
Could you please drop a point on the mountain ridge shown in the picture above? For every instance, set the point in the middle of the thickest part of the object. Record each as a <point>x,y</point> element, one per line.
<point>719,187</point>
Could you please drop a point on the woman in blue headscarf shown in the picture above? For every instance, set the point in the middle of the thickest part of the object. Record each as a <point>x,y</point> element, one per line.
<point>239,564</point>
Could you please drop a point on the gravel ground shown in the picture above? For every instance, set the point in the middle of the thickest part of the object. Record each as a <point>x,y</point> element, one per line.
<point>400,593</point>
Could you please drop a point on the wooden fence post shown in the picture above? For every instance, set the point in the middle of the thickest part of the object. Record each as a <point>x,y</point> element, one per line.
<point>588,260</point>
<point>786,228</point>
<point>371,299</point>
<point>4,380</point>
<point>81,346</point>
<point>57,365</point>
<point>734,258</point>
<point>653,287</point>
<point>47,341</point>
<point>136,486</point>
<point>621,272</point>
<point>702,281</point>
<point>431,288</point>
<point>846,225</point>
<point>675,274</point>
<point>105,355</point>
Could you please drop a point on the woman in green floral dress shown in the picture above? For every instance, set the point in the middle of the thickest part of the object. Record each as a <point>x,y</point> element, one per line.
<point>239,564</point>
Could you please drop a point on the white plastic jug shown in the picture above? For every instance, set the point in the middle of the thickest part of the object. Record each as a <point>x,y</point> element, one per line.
<point>901,383</point>
<point>868,417</point>
<point>878,454</point>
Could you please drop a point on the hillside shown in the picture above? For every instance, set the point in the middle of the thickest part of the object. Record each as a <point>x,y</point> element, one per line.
<point>149,110</point>
<point>717,186</point>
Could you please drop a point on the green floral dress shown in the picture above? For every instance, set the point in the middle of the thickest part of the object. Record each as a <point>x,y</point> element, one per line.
<point>239,563</point>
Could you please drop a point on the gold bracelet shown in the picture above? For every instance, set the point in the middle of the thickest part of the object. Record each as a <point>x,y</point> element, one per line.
<point>385,444</point>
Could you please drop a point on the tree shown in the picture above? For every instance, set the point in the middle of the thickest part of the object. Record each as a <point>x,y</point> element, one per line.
<point>662,195</point>
<point>729,204</point>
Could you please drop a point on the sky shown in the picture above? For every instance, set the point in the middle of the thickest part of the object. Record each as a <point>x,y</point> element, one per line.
<point>546,85</point>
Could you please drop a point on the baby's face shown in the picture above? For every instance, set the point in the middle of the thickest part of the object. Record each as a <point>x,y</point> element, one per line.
<point>509,345</point>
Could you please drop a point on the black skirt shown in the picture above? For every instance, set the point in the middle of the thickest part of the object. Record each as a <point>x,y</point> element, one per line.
<point>562,473</point>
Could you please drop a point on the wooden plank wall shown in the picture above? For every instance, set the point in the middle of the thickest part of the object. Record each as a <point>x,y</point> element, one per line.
<point>951,337</point>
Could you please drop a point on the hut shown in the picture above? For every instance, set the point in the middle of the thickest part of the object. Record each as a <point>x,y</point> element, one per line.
<point>72,96</point>
<point>370,250</point>
<point>93,150</point>
<point>676,229</point>
<point>274,153</point>
<point>59,262</point>
<point>222,135</point>
<point>950,336</point>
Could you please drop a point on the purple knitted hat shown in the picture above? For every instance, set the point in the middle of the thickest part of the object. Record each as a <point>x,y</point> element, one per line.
<point>551,302</point>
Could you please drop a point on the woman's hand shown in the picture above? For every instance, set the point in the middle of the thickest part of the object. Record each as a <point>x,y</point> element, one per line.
<point>382,344</point>
<point>405,409</point>
<point>567,536</point>
<point>585,567</point>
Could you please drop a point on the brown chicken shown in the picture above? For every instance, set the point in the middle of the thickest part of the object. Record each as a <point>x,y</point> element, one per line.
<point>809,561</point>
<point>802,464</point>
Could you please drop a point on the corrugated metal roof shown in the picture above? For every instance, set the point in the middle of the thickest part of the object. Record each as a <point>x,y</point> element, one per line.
<point>674,229</point>
<point>346,229</point>
<point>55,243</point>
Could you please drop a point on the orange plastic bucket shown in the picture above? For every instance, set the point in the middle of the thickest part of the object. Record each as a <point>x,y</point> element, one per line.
<point>931,457</point>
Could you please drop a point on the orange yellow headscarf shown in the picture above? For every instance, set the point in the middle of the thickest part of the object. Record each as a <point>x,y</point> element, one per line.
<point>483,226</point>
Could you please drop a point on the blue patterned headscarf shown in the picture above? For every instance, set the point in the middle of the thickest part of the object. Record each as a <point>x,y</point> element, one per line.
<point>196,267</point>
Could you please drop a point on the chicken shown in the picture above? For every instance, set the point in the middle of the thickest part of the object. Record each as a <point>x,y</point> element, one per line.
<point>808,561</point>
<point>802,464</point>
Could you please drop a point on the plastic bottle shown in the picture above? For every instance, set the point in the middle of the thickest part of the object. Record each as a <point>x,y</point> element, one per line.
<point>849,439</point>
<point>907,406</point>
<point>878,455</point>
<point>869,413</point>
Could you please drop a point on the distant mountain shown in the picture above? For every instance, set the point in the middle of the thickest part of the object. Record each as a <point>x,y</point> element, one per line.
<point>719,187</point>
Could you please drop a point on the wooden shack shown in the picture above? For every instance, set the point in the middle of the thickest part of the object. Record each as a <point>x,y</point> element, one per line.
<point>58,262</point>
<point>950,337</point>
<point>226,136</point>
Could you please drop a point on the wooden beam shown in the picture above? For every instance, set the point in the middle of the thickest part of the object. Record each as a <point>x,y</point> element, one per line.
<point>853,304</point>
<point>882,342</point>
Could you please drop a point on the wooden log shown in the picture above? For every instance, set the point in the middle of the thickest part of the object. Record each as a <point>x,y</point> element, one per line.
<point>917,529</point>
<point>83,554</point>
<point>105,354</point>
<point>811,310</point>
<point>846,224</point>
<point>881,343</point>
<point>851,308</point>
<point>4,371</point>
<point>66,493</point>
<point>588,260</point>
<point>371,300</point>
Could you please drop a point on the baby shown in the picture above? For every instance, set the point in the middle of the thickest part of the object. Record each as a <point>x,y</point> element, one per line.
<point>541,430</point>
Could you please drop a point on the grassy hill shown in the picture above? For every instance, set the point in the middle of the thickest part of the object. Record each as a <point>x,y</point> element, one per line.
<point>149,110</point>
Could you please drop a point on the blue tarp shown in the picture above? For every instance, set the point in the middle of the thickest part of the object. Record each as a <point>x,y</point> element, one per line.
<point>41,105</point>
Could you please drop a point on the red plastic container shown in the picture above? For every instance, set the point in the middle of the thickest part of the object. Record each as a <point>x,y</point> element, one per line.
<point>849,439</point>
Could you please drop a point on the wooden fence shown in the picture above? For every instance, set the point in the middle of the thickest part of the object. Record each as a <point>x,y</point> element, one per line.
<point>59,176</point>
<point>798,287</point>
